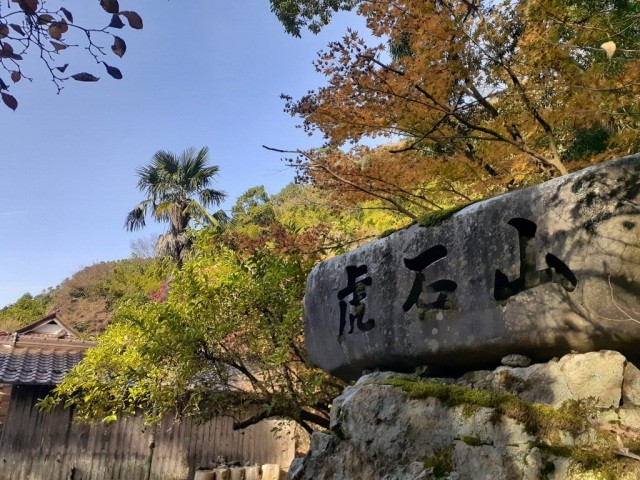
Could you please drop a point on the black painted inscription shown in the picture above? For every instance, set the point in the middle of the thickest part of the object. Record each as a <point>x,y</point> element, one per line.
<point>440,287</point>
<point>357,289</point>
<point>557,271</point>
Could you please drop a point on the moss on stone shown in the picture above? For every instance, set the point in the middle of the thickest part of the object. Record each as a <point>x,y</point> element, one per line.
<point>436,217</point>
<point>388,232</point>
<point>440,462</point>
<point>474,441</point>
<point>547,468</point>
<point>538,419</point>
<point>544,422</point>
<point>600,461</point>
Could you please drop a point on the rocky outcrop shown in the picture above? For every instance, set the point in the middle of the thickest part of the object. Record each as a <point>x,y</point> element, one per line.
<point>577,417</point>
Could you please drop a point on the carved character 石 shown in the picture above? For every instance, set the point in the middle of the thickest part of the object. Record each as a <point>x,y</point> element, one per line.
<point>557,271</point>
<point>441,287</point>
<point>357,290</point>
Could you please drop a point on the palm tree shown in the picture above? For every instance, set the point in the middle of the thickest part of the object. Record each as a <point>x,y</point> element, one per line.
<point>170,183</point>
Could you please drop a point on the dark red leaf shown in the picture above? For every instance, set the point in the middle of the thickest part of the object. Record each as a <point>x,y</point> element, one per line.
<point>67,14</point>
<point>58,46</point>
<point>4,30</point>
<point>9,101</point>
<point>118,47</point>
<point>45,18</point>
<point>55,32</point>
<point>116,22</point>
<point>15,77</point>
<point>6,51</point>
<point>63,25</point>
<point>135,20</point>
<point>62,68</point>
<point>3,86</point>
<point>84,77</point>
<point>110,6</point>
<point>113,71</point>
<point>17,28</point>
<point>28,6</point>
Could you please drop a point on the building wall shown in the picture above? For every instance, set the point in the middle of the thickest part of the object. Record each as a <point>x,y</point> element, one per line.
<point>48,446</point>
<point>5,396</point>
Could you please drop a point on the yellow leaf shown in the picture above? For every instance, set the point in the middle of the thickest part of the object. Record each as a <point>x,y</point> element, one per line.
<point>609,47</point>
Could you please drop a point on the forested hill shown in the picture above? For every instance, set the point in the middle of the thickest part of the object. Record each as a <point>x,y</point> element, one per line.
<point>88,298</point>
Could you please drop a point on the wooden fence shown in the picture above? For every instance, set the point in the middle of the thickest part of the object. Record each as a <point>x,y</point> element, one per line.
<point>37,445</point>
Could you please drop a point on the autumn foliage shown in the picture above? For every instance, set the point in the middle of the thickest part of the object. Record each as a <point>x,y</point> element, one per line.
<point>544,81</point>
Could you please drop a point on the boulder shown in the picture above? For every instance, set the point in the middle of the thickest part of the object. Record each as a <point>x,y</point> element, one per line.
<point>540,272</point>
<point>386,427</point>
<point>595,375</point>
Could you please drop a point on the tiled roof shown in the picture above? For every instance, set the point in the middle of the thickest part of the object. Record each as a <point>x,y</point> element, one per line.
<point>38,361</point>
<point>36,366</point>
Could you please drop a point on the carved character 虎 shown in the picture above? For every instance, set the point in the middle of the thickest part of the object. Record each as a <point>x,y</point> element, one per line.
<point>357,290</point>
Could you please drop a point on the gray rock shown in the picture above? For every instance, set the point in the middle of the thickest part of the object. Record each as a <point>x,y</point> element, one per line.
<point>515,360</point>
<point>539,271</point>
<point>384,434</point>
<point>595,375</point>
<point>631,386</point>
<point>296,468</point>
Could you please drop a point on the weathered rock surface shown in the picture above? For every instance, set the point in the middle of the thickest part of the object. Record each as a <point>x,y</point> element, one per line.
<point>538,272</point>
<point>515,360</point>
<point>383,432</point>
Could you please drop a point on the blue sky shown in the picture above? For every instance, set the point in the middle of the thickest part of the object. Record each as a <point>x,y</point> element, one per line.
<point>200,73</point>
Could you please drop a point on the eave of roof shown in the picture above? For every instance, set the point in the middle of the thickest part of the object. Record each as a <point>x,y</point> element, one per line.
<point>39,361</point>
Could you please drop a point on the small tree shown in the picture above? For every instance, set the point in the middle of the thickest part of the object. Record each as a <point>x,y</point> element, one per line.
<point>171,182</point>
<point>227,335</point>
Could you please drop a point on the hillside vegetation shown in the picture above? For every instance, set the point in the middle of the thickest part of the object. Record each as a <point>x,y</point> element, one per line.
<point>88,298</point>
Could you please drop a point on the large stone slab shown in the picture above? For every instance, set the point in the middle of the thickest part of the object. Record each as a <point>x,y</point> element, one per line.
<point>539,272</point>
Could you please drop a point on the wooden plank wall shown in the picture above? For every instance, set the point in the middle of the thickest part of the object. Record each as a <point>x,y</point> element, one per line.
<point>35,445</point>
<point>5,396</point>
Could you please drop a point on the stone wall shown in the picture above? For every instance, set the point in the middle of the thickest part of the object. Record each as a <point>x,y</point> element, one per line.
<point>577,417</point>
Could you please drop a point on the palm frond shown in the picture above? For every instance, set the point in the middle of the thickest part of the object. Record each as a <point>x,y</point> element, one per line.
<point>136,218</point>
<point>209,196</point>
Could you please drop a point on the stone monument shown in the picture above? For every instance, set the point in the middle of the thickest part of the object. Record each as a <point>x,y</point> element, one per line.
<point>541,272</point>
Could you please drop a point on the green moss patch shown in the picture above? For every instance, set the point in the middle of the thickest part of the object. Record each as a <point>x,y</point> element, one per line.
<point>474,441</point>
<point>542,421</point>
<point>388,232</point>
<point>441,462</point>
<point>538,419</point>
<point>436,217</point>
